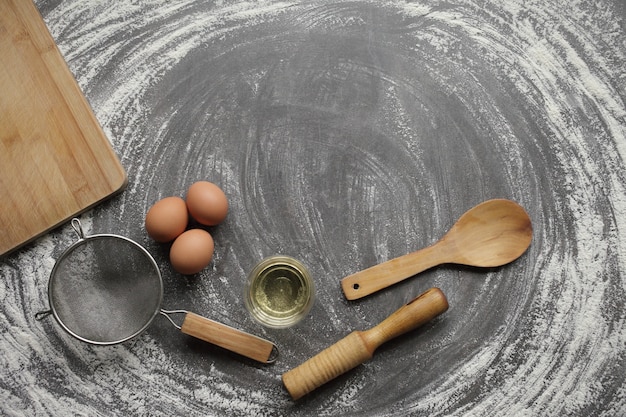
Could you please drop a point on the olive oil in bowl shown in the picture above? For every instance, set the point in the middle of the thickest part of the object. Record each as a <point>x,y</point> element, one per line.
<point>279,292</point>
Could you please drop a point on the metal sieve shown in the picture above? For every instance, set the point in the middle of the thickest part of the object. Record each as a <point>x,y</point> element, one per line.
<point>106,289</point>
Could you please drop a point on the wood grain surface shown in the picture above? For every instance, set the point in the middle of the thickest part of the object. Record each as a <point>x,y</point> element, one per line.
<point>345,134</point>
<point>227,337</point>
<point>55,160</point>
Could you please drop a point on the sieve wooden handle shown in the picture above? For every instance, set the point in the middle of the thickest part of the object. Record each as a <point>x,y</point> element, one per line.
<point>229,338</point>
<point>359,346</point>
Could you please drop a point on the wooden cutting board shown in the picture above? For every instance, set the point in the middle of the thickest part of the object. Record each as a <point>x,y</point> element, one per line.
<point>55,160</point>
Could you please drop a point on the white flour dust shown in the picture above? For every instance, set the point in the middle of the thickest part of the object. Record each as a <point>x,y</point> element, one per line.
<point>347,133</point>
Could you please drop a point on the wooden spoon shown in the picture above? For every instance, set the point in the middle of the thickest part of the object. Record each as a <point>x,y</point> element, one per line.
<point>490,234</point>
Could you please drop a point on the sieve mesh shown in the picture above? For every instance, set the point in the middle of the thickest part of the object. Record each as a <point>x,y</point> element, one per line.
<point>105,289</point>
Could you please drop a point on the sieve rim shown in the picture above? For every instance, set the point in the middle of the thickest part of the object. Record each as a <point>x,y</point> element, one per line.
<point>85,240</point>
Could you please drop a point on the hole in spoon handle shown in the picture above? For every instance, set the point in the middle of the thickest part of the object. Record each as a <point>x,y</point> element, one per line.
<point>378,277</point>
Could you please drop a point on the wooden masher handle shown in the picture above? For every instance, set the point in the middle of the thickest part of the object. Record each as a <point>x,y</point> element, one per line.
<point>359,346</point>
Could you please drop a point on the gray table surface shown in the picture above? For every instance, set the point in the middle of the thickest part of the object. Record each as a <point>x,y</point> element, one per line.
<point>345,134</point>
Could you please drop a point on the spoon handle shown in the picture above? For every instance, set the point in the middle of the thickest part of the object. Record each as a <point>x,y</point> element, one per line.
<point>383,275</point>
<point>359,346</point>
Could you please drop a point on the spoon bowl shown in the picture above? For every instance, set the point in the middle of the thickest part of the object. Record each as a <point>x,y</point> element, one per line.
<point>493,233</point>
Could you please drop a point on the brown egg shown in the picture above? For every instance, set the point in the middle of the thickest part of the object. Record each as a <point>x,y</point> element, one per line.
<point>207,203</point>
<point>192,251</point>
<point>167,219</point>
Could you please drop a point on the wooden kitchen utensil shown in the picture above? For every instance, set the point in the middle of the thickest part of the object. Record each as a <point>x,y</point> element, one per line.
<point>490,234</point>
<point>359,346</point>
<point>55,160</point>
<point>106,289</point>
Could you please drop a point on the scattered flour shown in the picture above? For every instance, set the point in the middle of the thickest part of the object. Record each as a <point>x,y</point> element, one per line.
<point>572,328</point>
